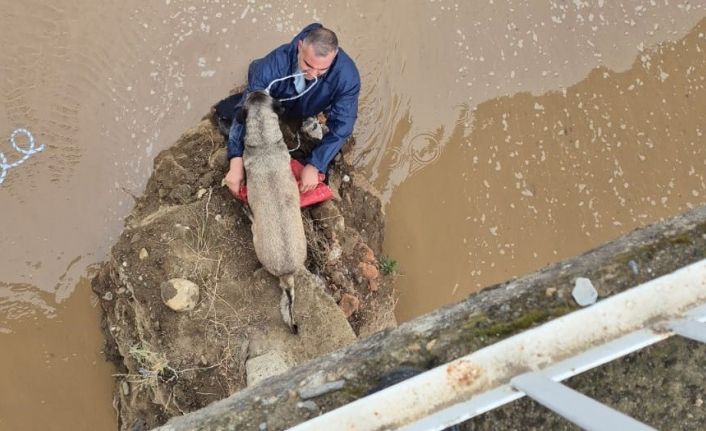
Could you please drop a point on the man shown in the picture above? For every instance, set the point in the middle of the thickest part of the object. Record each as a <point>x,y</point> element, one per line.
<point>330,83</point>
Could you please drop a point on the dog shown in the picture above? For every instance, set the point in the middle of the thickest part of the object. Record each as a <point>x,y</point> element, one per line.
<point>273,196</point>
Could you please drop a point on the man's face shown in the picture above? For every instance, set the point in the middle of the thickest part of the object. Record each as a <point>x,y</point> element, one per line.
<point>310,64</point>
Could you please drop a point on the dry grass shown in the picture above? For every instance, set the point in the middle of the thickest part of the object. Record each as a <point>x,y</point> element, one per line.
<point>318,246</point>
<point>153,368</point>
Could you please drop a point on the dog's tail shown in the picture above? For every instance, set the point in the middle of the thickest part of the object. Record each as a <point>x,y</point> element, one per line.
<point>286,303</point>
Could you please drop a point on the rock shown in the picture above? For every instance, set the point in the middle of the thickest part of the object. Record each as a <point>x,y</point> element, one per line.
<point>180,294</point>
<point>373,285</point>
<point>369,271</point>
<point>634,267</point>
<point>346,179</point>
<point>200,193</point>
<point>125,386</point>
<point>550,291</point>
<point>317,391</point>
<point>349,304</point>
<point>334,254</point>
<point>108,296</point>
<point>309,406</point>
<point>267,365</point>
<point>584,293</point>
<point>368,255</point>
<point>143,254</point>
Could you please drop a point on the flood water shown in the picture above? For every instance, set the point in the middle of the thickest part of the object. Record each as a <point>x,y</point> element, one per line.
<point>504,136</point>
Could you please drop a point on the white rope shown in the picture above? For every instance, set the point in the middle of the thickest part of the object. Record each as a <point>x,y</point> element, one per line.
<point>299,143</point>
<point>4,166</point>
<point>267,90</point>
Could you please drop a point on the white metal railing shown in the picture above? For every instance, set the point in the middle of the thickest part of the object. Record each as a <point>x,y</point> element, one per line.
<point>533,362</point>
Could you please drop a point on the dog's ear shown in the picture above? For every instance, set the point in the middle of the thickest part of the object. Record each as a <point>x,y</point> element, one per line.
<point>277,107</point>
<point>241,114</point>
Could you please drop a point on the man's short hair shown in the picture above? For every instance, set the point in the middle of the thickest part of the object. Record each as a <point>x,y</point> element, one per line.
<point>323,40</point>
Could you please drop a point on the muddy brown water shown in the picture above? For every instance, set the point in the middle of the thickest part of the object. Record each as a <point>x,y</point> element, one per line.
<point>503,135</point>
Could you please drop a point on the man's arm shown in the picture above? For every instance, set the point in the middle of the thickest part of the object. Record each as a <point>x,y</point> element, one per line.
<point>260,74</point>
<point>340,121</point>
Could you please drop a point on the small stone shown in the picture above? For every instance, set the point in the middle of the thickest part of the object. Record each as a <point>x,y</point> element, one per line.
<point>346,179</point>
<point>634,267</point>
<point>143,254</point>
<point>180,294</point>
<point>269,401</point>
<point>200,193</point>
<point>121,290</point>
<point>368,270</point>
<point>699,402</point>
<point>430,345</point>
<point>550,291</point>
<point>313,392</point>
<point>262,427</point>
<point>584,293</point>
<point>368,255</point>
<point>373,286</point>
<point>124,264</point>
<point>218,217</point>
<point>125,386</point>
<point>334,254</point>
<point>108,296</point>
<point>349,304</point>
<point>308,405</point>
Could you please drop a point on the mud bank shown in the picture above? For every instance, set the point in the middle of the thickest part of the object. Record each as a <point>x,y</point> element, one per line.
<point>188,226</point>
<point>660,385</point>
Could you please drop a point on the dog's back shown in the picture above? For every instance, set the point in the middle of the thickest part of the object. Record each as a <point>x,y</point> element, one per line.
<point>278,232</point>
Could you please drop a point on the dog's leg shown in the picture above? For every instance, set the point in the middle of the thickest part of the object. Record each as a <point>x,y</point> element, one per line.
<point>248,212</point>
<point>286,303</point>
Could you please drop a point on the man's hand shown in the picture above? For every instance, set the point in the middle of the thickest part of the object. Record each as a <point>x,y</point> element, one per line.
<point>236,175</point>
<point>309,178</point>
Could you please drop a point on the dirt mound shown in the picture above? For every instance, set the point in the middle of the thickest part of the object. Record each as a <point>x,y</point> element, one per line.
<point>187,226</point>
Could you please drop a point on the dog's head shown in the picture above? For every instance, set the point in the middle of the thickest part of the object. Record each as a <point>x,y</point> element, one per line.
<point>255,100</point>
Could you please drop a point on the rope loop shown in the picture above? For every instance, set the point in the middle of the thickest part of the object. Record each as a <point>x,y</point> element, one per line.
<point>267,90</point>
<point>27,153</point>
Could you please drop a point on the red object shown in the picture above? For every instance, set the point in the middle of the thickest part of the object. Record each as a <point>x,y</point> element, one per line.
<point>320,193</point>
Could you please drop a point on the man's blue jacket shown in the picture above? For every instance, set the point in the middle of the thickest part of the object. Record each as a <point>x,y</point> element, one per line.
<point>336,93</point>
